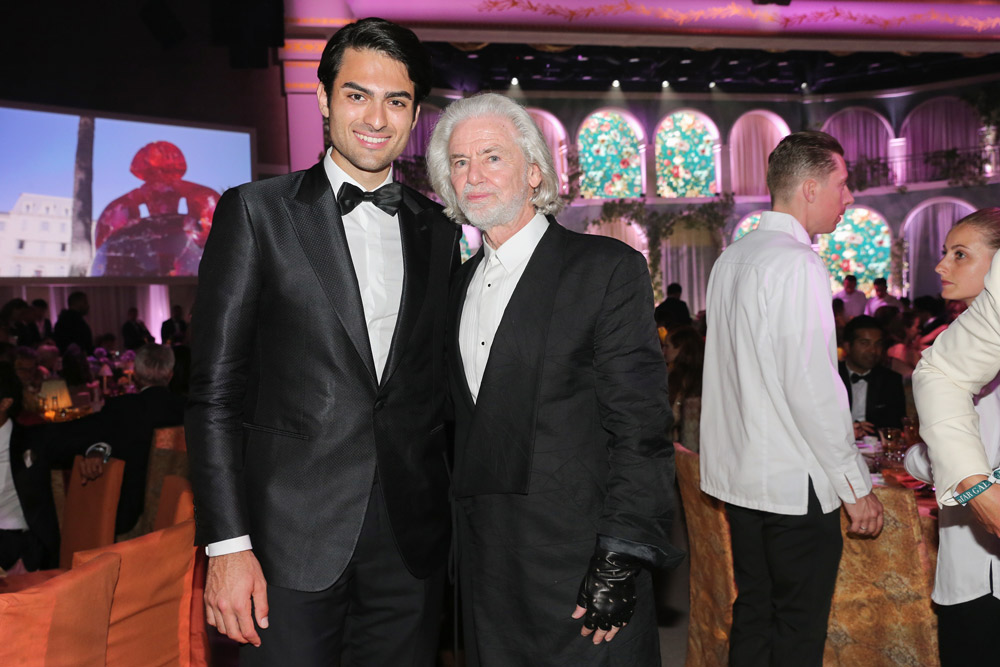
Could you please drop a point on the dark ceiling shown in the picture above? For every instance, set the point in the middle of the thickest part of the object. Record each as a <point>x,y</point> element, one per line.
<point>593,68</point>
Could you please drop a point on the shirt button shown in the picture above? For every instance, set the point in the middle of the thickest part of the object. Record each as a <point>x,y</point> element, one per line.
<point>483,343</point>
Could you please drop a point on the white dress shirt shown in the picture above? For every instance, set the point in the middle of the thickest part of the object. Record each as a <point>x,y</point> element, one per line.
<point>774,409</point>
<point>376,248</point>
<point>11,514</point>
<point>962,360</point>
<point>859,395</point>
<point>489,292</point>
<point>968,564</point>
<point>854,304</point>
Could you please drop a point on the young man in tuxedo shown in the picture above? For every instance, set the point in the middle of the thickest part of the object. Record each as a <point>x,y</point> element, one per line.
<point>874,392</point>
<point>318,453</point>
<point>563,470</point>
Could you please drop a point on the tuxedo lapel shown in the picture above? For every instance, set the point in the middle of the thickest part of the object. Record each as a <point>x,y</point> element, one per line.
<point>416,239</point>
<point>316,220</point>
<point>500,444</point>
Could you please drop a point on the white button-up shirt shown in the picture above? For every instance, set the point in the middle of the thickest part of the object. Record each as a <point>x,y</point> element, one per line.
<point>774,409</point>
<point>376,246</point>
<point>488,294</point>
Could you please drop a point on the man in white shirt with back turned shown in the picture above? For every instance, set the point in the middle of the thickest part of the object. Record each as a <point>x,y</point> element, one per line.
<point>777,443</point>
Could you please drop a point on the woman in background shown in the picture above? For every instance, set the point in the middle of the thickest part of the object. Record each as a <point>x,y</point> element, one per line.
<point>967,583</point>
<point>684,351</point>
<point>904,353</point>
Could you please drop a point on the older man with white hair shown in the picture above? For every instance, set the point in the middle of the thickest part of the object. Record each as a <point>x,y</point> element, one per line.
<point>563,471</point>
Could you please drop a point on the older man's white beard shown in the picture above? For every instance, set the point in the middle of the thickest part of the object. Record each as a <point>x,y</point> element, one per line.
<point>501,213</point>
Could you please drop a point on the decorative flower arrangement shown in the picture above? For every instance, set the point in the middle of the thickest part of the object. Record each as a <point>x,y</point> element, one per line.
<point>609,158</point>
<point>685,165</point>
<point>861,245</point>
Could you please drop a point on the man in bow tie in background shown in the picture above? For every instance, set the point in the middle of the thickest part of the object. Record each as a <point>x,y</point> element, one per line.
<point>318,453</point>
<point>875,393</point>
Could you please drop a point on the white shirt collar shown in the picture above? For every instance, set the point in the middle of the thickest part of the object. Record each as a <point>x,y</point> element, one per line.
<point>782,222</point>
<point>338,176</point>
<point>518,248</point>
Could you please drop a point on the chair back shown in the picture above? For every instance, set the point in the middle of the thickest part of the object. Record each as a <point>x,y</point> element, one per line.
<point>167,456</point>
<point>176,502</point>
<point>151,611</point>
<point>62,621</point>
<point>89,515</point>
<point>882,612</point>
<point>712,586</point>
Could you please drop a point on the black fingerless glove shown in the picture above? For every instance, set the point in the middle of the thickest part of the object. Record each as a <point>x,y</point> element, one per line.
<point>608,590</point>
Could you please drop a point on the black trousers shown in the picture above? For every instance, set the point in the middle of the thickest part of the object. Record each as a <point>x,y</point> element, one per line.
<point>21,545</point>
<point>376,613</point>
<point>785,569</point>
<point>966,632</point>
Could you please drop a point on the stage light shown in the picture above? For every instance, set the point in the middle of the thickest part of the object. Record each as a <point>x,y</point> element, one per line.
<point>711,84</point>
<point>615,83</point>
<point>513,81</point>
<point>665,84</point>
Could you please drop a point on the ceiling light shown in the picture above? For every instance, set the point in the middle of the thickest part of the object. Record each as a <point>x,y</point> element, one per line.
<point>665,84</point>
<point>615,83</point>
<point>513,81</point>
<point>633,60</point>
<point>804,86</point>
<point>529,57</point>
<point>711,84</point>
<point>472,56</point>
<point>686,61</point>
<point>734,62</point>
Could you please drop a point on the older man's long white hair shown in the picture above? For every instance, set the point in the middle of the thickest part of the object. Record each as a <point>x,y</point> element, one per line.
<point>545,198</point>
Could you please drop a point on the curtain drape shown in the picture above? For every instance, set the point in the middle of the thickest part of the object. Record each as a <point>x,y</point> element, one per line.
<point>752,139</point>
<point>421,134</point>
<point>109,304</point>
<point>555,139</point>
<point>861,132</point>
<point>925,234</point>
<point>688,257</point>
<point>940,124</point>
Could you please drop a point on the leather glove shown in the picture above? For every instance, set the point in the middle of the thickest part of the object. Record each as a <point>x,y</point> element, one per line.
<point>608,590</point>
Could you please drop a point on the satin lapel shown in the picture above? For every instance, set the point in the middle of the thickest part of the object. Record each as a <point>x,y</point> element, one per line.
<point>317,224</point>
<point>503,425</point>
<point>416,239</point>
<point>455,308</point>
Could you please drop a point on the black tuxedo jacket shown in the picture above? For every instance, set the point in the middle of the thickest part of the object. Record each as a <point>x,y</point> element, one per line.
<point>286,425</point>
<point>574,394</point>
<point>33,484</point>
<point>170,328</point>
<point>126,423</point>
<point>885,405</point>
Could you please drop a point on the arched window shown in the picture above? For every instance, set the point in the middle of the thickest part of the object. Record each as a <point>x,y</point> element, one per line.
<point>685,155</point>
<point>610,147</point>
<point>746,225</point>
<point>924,231</point>
<point>751,140</point>
<point>865,136</point>
<point>555,138</point>
<point>861,245</point>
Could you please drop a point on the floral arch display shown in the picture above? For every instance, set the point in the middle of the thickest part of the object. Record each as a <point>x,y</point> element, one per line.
<point>610,152</point>
<point>746,225</point>
<point>861,245</point>
<point>685,155</point>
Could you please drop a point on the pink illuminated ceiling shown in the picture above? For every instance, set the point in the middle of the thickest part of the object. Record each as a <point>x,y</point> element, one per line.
<point>962,26</point>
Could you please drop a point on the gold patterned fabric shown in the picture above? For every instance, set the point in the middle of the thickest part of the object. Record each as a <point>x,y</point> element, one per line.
<point>881,613</point>
<point>712,586</point>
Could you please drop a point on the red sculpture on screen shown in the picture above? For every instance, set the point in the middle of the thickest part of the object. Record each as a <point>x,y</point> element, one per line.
<point>164,242</point>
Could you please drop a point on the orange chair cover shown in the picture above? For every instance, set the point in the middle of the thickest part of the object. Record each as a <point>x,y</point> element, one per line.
<point>89,516</point>
<point>62,622</point>
<point>151,613</point>
<point>176,502</point>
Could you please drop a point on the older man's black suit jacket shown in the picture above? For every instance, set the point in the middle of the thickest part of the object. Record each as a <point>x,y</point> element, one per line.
<point>30,465</point>
<point>287,424</point>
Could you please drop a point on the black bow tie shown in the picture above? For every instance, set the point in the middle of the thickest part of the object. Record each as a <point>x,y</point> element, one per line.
<point>855,378</point>
<point>388,197</point>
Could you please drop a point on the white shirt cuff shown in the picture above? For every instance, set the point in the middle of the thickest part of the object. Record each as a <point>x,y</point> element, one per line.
<point>230,546</point>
